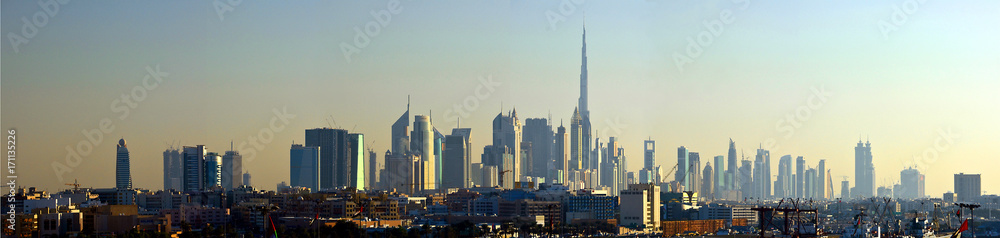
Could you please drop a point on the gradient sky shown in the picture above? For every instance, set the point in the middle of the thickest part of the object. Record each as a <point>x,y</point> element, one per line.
<point>937,72</point>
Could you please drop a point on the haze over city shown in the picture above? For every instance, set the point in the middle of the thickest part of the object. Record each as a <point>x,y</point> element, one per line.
<point>805,79</point>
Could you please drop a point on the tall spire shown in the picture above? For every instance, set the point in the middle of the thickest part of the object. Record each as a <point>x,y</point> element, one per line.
<point>584,110</point>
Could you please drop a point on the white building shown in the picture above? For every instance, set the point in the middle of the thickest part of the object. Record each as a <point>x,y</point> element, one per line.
<point>640,206</point>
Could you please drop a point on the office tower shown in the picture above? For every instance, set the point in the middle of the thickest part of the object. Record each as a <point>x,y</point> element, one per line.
<point>334,156</point>
<point>649,151</point>
<point>585,130</point>
<point>538,132</point>
<point>967,187</point>
<point>232,169</point>
<point>640,206</point>
<point>720,175</point>
<point>820,191</point>
<point>746,177</point>
<point>438,155</point>
<point>912,182</point>
<point>502,158</point>
<point>246,179</point>
<point>829,185</point>
<point>576,161</point>
<point>596,159</point>
<point>683,167</point>
<point>422,144</point>
<point>864,171</point>
<point>561,154</point>
<point>758,178</point>
<point>762,177</point>
<point>400,172</point>
<point>800,169</point>
<point>526,159</point>
<point>213,170</point>
<point>401,132</point>
<point>194,177</point>
<point>356,164</point>
<point>123,175</point>
<point>708,185</point>
<point>809,183</point>
<point>695,170</point>
<point>373,168</point>
<point>304,167</point>
<point>173,169</point>
<point>733,179</point>
<point>845,189</point>
<point>476,175</point>
<point>507,133</point>
<point>490,176</point>
<point>455,162</point>
<point>784,186</point>
<point>466,134</point>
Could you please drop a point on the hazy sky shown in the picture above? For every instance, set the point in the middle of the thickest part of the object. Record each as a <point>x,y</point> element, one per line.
<point>919,79</point>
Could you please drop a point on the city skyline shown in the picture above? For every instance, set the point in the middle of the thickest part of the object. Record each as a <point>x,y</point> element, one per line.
<point>739,99</point>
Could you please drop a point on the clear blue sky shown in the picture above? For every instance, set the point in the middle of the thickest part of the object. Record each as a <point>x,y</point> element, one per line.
<point>937,70</point>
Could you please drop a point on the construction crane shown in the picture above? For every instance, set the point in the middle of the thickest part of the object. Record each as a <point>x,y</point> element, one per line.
<point>671,171</point>
<point>75,184</point>
<point>500,177</point>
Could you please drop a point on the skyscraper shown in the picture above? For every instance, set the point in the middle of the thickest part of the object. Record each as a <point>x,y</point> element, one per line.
<point>785,186</point>
<point>246,179</point>
<point>720,175</point>
<point>123,174</point>
<point>538,132</point>
<point>800,169</point>
<point>455,162</point>
<point>968,187</point>
<point>356,164</point>
<point>763,179</point>
<point>507,133</point>
<point>304,167</point>
<point>213,170</point>
<point>683,168</point>
<point>845,190</point>
<point>373,167</point>
<point>708,185</point>
<point>194,177</point>
<point>232,169</point>
<point>585,131</point>
<point>694,179</point>
<point>173,169</point>
<point>912,182</point>
<point>561,154</point>
<point>746,177</point>
<point>821,188</point>
<point>864,171</point>
<point>422,143</point>
<point>649,149</point>
<point>334,155</point>
<point>576,161</point>
<point>732,179</point>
